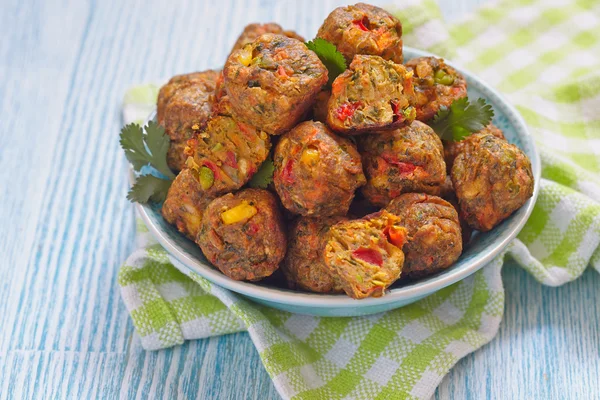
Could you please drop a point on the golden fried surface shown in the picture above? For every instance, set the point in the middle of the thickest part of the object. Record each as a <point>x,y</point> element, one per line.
<point>409,159</point>
<point>304,266</point>
<point>273,82</point>
<point>371,95</point>
<point>436,84</point>
<point>316,171</point>
<point>366,254</point>
<point>363,29</point>
<point>433,230</point>
<point>492,179</point>
<point>185,204</point>
<point>243,235</point>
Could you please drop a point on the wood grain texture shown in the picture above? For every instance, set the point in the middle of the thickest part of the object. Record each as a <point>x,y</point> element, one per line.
<point>65,225</point>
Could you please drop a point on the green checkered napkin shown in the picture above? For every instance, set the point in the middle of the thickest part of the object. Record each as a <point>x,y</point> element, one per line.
<point>545,56</point>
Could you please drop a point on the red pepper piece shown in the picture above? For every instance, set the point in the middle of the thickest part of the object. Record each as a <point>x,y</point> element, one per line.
<point>231,161</point>
<point>398,114</point>
<point>347,110</point>
<point>286,173</point>
<point>362,23</point>
<point>368,255</point>
<point>403,167</point>
<point>396,236</point>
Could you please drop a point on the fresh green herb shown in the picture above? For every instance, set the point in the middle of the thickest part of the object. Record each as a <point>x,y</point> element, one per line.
<point>264,176</point>
<point>330,56</point>
<point>462,118</point>
<point>146,146</point>
<point>143,147</point>
<point>149,188</point>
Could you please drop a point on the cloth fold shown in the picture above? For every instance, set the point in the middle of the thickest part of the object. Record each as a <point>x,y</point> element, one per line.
<point>545,57</point>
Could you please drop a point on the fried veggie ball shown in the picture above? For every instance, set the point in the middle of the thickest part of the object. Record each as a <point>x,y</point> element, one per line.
<point>184,105</point>
<point>436,84</point>
<point>492,179</point>
<point>316,171</point>
<point>409,159</point>
<point>253,31</point>
<point>363,29</point>
<point>304,267</point>
<point>366,254</point>
<point>372,95</point>
<point>451,149</point>
<point>226,154</point>
<point>272,82</point>
<point>185,204</point>
<point>242,234</point>
<point>434,239</point>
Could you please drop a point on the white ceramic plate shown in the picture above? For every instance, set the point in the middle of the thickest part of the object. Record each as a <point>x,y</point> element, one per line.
<point>187,257</point>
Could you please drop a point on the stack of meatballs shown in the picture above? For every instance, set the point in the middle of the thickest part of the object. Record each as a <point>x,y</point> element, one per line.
<point>419,198</point>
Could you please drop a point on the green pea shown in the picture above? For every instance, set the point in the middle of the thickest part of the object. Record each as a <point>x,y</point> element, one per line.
<point>206,177</point>
<point>443,78</point>
<point>217,147</point>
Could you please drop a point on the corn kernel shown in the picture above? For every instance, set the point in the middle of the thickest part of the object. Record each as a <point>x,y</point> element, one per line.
<point>241,212</point>
<point>310,156</point>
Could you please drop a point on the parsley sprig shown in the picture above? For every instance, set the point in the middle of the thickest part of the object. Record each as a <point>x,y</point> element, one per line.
<point>329,56</point>
<point>264,176</point>
<point>462,118</point>
<point>148,146</point>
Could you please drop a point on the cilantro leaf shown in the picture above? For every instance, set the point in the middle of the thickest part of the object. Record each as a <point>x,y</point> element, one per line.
<point>264,176</point>
<point>462,118</point>
<point>149,147</point>
<point>329,56</point>
<point>149,188</point>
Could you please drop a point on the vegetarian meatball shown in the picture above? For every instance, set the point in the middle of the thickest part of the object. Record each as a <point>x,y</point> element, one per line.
<point>226,154</point>
<point>366,254</point>
<point>436,84</point>
<point>273,81</point>
<point>304,267</point>
<point>409,159</point>
<point>183,107</point>
<point>373,94</point>
<point>434,239</point>
<point>316,171</point>
<point>363,29</point>
<point>451,149</point>
<point>242,234</point>
<point>185,203</point>
<point>492,179</point>
<point>253,31</point>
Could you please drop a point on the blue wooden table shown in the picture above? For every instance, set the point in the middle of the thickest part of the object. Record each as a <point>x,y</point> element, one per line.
<point>65,225</point>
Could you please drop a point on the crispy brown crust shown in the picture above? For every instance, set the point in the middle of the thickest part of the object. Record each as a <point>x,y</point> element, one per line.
<point>492,179</point>
<point>232,150</point>
<point>252,31</point>
<point>430,96</point>
<point>304,267</point>
<point>434,240</point>
<point>451,149</point>
<point>372,95</point>
<point>272,82</point>
<point>184,105</point>
<point>361,253</point>
<point>363,29</point>
<point>409,159</point>
<point>185,204</point>
<point>250,249</point>
<point>316,171</point>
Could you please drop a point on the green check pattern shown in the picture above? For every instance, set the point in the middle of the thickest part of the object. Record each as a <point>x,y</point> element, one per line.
<point>545,56</point>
